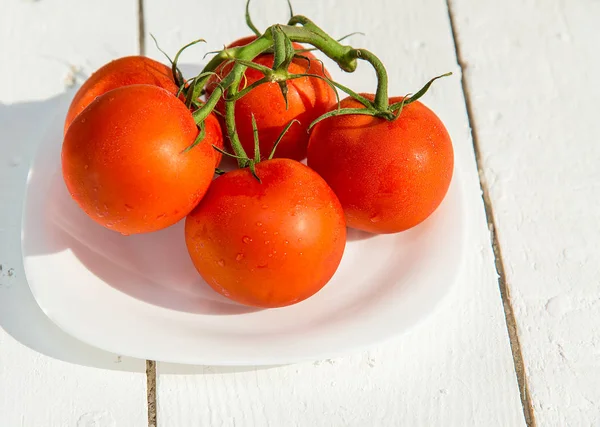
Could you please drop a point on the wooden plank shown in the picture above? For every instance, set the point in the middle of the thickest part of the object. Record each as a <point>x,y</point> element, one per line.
<point>453,369</point>
<point>531,75</point>
<point>48,378</point>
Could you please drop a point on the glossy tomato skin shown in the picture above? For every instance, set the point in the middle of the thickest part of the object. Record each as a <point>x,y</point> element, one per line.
<point>124,71</point>
<point>123,160</point>
<point>267,244</point>
<point>308,98</point>
<point>388,175</point>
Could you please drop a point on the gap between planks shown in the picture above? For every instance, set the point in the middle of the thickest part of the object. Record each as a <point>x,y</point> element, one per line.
<point>141,28</point>
<point>150,364</point>
<point>151,392</point>
<point>489,213</point>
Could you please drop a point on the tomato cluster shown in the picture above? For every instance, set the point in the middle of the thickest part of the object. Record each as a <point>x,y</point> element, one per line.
<point>272,233</point>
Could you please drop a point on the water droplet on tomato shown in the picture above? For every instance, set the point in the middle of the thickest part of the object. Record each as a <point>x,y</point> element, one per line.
<point>239,257</point>
<point>95,189</point>
<point>221,263</point>
<point>86,167</point>
<point>267,242</point>
<point>263,265</point>
<point>264,231</point>
<point>259,224</point>
<point>270,255</point>
<point>375,218</point>
<point>128,207</point>
<point>286,242</point>
<point>124,234</point>
<point>276,233</point>
<point>246,239</point>
<point>265,206</point>
<point>83,119</point>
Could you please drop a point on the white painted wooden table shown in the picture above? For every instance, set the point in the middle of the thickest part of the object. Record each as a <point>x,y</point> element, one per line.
<point>517,341</point>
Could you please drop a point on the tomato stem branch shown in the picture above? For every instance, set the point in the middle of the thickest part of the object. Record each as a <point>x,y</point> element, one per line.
<point>278,38</point>
<point>381,101</point>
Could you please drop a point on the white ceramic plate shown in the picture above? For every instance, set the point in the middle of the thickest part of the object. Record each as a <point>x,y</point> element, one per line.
<point>140,296</point>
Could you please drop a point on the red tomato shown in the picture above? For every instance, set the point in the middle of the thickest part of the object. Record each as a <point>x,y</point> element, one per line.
<point>120,72</point>
<point>388,175</point>
<point>124,163</point>
<point>308,98</point>
<point>267,244</point>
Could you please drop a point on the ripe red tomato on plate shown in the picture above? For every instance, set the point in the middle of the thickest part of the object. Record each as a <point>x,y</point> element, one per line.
<point>271,243</point>
<point>388,175</point>
<point>125,163</point>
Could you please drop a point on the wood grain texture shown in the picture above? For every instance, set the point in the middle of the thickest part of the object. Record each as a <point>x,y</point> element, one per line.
<point>45,48</point>
<point>453,369</point>
<point>531,73</point>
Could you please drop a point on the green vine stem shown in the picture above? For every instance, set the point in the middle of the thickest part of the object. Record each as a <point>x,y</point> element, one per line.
<point>381,95</point>
<point>343,55</point>
<point>278,39</point>
<point>234,139</point>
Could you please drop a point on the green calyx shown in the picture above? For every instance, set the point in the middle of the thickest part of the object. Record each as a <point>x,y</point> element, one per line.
<point>246,161</point>
<point>390,112</point>
<point>411,98</point>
